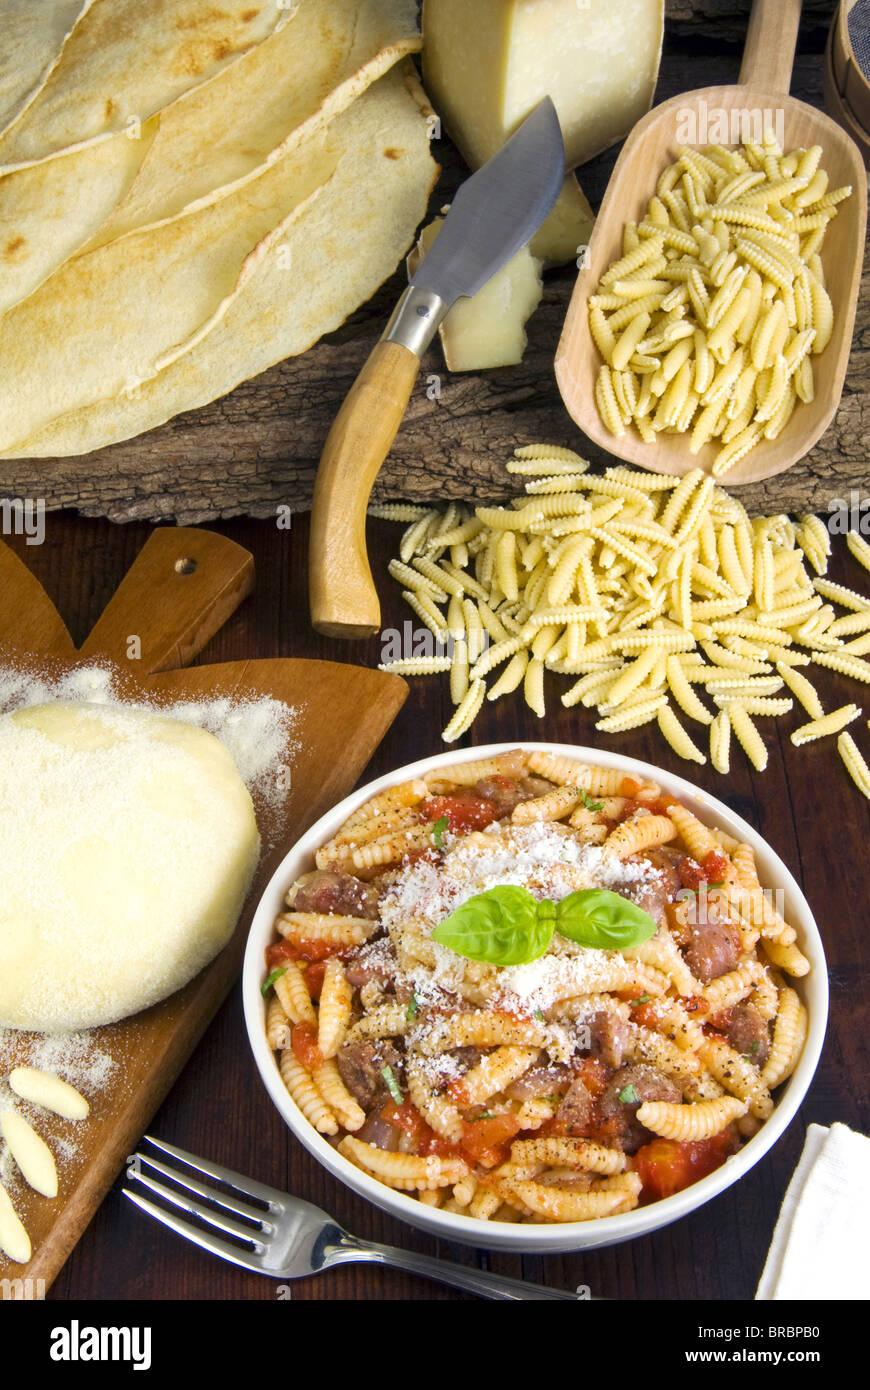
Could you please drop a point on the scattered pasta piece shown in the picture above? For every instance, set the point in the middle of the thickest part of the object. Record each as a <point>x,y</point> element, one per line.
<point>641,589</point>
<point>41,1088</point>
<point>31,1153</point>
<point>748,736</point>
<point>720,742</point>
<point>855,764</point>
<point>829,724</point>
<point>859,548</point>
<point>14,1240</point>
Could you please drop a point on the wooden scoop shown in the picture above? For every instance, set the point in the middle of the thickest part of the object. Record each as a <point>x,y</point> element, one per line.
<point>651,147</point>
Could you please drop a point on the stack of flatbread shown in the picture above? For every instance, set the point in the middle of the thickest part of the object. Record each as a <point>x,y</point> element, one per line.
<point>191,191</point>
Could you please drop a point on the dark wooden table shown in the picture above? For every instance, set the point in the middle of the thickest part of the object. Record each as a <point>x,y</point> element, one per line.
<point>804,805</point>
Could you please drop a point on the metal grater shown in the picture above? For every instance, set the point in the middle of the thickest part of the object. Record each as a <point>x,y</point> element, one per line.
<point>858,21</point>
<point>847,72</point>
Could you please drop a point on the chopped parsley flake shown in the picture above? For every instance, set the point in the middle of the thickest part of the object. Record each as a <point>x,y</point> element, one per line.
<point>392,1085</point>
<point>438,828</point>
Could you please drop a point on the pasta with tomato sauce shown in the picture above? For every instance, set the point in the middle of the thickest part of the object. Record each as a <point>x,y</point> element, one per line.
<point>529,989</point>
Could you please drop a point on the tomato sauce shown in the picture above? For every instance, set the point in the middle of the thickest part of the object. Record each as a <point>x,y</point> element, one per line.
<point>715,867</point>
<point>464,811</point>
<point>667,1166</point>
<point>691,873</point>
<point>281,951</point>
<point>424,1139</point>
<point>314,974</point>
<point>711,872</point>
<point>303,1040</point>
<point>487,1141</point>
<point>592,1072</point>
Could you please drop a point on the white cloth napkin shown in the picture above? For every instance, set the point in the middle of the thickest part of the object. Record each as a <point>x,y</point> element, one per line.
<point>819,1247</point>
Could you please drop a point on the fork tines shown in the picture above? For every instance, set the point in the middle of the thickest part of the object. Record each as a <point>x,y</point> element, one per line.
<point>241,1214</point>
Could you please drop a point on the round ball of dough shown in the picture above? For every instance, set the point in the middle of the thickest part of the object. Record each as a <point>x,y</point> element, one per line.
<point>127,842</point>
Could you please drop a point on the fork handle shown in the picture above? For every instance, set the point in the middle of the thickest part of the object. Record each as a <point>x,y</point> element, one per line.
<point>475,1281</point>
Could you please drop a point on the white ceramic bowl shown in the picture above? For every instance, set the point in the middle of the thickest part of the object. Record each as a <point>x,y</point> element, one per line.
<point>581,1235</point>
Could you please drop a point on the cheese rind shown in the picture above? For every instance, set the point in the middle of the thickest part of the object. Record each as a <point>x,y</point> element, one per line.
<point>487,65</point>
<point>487,329</point>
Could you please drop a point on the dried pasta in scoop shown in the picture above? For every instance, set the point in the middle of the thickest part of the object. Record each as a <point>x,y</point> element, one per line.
<point>709,320</point>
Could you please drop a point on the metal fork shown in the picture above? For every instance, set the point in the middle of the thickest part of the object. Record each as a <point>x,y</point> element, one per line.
<point>279,1235</point>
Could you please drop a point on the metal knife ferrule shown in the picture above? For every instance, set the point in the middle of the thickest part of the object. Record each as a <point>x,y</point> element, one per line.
<point>415,319</point>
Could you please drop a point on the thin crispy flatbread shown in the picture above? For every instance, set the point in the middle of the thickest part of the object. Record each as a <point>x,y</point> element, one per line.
<point>224,134</point>
<point>49,210</point>
<point>31,49</point>
<point>115,317</point>
<point>127,59</point>
<point>331,258</point>
<point>203,146</point>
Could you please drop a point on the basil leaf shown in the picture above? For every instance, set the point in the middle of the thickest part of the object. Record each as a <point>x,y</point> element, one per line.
<point>413,1008</point>
<point>438,828</point>
<point>503,926</point>
<point>628,1095</point>
<point>589,803</point>
<point>270,979</point>
<point>603,920</point>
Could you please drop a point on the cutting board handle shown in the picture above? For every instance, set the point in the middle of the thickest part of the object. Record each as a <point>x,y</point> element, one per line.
<point>182,587</point>
<point>344,601</point>
<point>29,621</point>
<point>768,57</point>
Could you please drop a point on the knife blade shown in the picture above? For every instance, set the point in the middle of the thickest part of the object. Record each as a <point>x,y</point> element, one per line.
<point>493,214</point>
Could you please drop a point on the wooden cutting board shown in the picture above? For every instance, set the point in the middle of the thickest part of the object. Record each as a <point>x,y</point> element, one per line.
<point>180,590</point>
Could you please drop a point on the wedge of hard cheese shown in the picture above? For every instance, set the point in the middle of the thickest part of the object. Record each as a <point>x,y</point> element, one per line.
<point>487,65</point>
<point>564,236</point>
<point>487,330</point>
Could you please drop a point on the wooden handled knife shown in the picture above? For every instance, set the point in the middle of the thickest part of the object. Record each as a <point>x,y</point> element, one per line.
<point>494,213</point>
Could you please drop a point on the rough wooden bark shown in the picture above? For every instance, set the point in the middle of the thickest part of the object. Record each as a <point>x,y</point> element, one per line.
<point>256,450</point>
